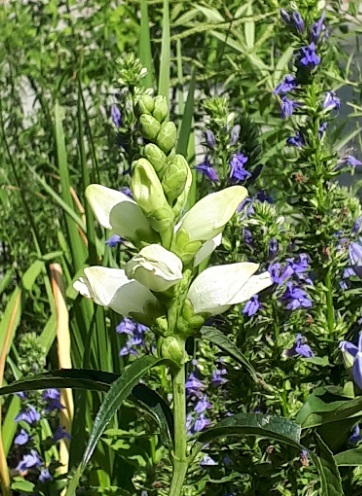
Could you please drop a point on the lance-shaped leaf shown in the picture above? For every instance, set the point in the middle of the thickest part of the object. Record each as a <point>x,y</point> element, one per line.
<point>217,288</point>
<point>155,267</point>
<point>209,216</point>
<point>119,213</point>
<point>112,288</point>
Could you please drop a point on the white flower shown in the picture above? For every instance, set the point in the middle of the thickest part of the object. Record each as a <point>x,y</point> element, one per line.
<point>155,267</point>
<point>119,213</point>
<point>207,249</point>
<point>112,288</point>
<point>208,217</point>
<point>217,288</point>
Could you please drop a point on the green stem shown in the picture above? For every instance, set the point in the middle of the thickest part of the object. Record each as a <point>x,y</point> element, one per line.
<point>330,307</point>
<point>180,462</point>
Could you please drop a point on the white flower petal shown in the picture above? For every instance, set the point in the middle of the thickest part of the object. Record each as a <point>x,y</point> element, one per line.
<point>253,286</point>
<point>155,267</point>
<point>208,217</point>
<point>207,249</point>
<point>213,291</point>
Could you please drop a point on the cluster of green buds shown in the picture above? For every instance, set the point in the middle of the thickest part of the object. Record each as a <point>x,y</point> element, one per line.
<point>161,285</point>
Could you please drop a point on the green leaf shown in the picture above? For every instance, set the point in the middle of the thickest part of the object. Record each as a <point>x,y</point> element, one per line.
<point>255,424</point>
<point>117,394</point>
<point>216,337</point>
<point>249,28</point>
<point>145,46</point>
<point>186,123</point>
<point>165,57</point>
<point>331,484</point>
<point>349,458</point>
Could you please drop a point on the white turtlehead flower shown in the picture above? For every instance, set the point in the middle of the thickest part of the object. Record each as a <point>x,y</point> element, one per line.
<point>112,288</point>
<point>208,217</point>
<point>217,288</point>
<point>207,249</point>
<point>155,267</point>
<point>118,212</point>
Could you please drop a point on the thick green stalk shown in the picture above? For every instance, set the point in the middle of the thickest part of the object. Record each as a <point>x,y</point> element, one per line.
<point>180,462</point>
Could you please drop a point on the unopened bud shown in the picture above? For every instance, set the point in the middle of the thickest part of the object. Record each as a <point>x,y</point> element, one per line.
<point>160,111</point>
<point>174,178</point>
<point>149,127</point>
<point>166,138</point>
<point>145,105</point>
<point>157,158</point>
<point>172,348</point>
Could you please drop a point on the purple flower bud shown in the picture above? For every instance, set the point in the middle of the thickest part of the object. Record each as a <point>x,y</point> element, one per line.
<point>207,170</point>
<point>300,348</point>
<point>237,171</point>
<point>322,129</point>
<point>248,237</point>
<point>116,116</point>
<point>285,16</point>
<point>298,22</point>
<point>288,84</point>
<point>355,436</point>
<point>45,475</point>
<point>296,140</point>
<point>317,28</point>
<point>210,139</point>
<point>288,107</point>
<point>114,240</point>
<point>331,100</point>
<point>307,57</point>
<point>273,248</point>
<point>252,306</point>
<point>234,135</point>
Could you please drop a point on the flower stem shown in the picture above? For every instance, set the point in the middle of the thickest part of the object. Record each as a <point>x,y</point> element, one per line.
<point>180,462</point>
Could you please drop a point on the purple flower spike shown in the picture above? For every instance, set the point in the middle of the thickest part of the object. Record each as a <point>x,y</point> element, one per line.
<point>210,139</point>
<point>45,475</point>
<point>288,107</point>
<point>331,100</point>
<point>22,438</point>
<point>202,405</point>
<point>288,84</point>
<point>237,171</point>
<point>317,28</point>
<point>308,57</point>
<point>31,416</point>
<point>298,22</point>
<point>207,461</point>
<point>114,240</point>
<point>31,460</point>
<point>207,170</point>
<point>296,140</point>
<point>252,306</point>
<point>234,135</point>
<point>116,116</point>
<point>300,349</point>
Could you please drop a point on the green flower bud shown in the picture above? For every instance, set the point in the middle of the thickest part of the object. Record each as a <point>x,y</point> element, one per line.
<point>157,158</point>
<point>148,193</point>
<point>173,349</point>
<point>184,248</point>
<point>145,105</point>
<point>196,322</point>
<point>149,127</point>
<point>166,138</point>
<point>174,178</point>
<point>160,111</point>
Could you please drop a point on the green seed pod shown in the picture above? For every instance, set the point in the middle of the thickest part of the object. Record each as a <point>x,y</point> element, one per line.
<point>160,111</point>
<point>174,178</point>
<point>157,158</point>
<point>166,138</point>
<point>149,127</point>
<point>173,349</point>
<point>145,105</point>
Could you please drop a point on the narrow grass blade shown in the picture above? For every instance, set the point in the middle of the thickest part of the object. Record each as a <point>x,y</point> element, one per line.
<point>165,57</point>
<point>186,123</point>
<point>145,50</point>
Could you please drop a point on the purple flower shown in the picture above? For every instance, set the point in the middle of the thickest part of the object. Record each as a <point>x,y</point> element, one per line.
<point>296,298</point>
<point>22,438</point>
<point>114,240</point>
<point>357,226</point>
<point>298,22</point>
<point>31,460</point>
<point>308,57</point>
<point>45,475</point>
<point>288,107</point>
<point>52,397</point>
<point>252,306</point>
<point>207,170</point>
<point>299,348</point>
<point>21,395</point>
<point>352,353</point>
<point>200,423</point>
<point>280,274</point>
<point>31,416</point>
<point>303,458</point>
<point>135,332</point>
<point>126,326</point>
<point>217,377</point>
<point>285,16</point>
<point>126,191</point>
<point>322,129</point>
<point>60,433</point>
<point>234,135</point>
<point>288,84</point>
<point>207,461</point>
<point>248,237</point>
<point>317,28</point>
<point>348,160</point>
<point>116,116</point>
<point>296,140</point>
<point>355,257</point>
<point>247,206</point>
<point>193,385</point>
<point>210,139</point>
<point>263,197</point>
<point>355,436</point>
<point>237,171</point>
<point>202,405</point>
<point>331,100</point>
<point>273,248</point>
